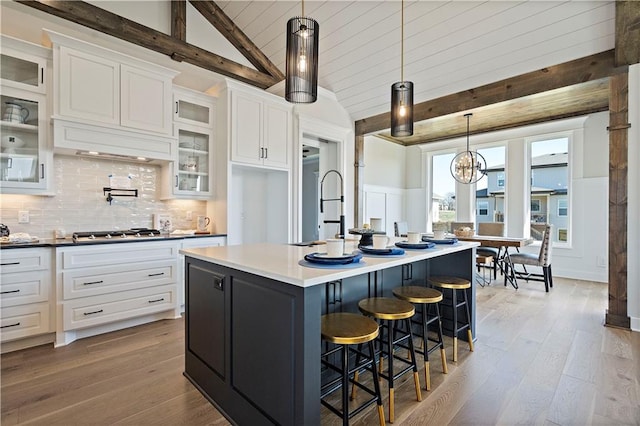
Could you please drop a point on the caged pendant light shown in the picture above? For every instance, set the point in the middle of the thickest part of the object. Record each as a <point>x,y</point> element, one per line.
<point>402,95</point>
<point>301,81</point>
<point>468,166</point>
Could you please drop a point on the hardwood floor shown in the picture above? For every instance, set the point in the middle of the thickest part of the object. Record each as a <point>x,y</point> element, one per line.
<point>540,358</point>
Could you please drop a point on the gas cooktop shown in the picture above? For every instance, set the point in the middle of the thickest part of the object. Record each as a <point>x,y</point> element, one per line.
<point>133,233</point>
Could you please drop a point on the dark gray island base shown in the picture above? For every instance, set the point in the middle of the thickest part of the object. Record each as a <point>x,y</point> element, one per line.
<point>252,342</point>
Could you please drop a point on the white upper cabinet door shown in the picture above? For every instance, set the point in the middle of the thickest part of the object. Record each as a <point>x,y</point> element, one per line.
<point>89,87</point>
<point>277,125</point>
<point>145,100</point>
<point>246,129</point>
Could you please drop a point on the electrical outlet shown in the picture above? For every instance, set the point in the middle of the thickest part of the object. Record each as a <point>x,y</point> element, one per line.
<point>189,215</point>
<point>23,216</point>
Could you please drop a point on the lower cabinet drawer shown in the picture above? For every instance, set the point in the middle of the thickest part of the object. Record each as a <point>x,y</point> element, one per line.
<point>25,287</point>
<point>24,321</point>
<point>91,311</point>
<point>85,282</point>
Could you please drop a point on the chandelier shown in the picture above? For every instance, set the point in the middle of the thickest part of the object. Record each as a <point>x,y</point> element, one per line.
<point>468,166</point>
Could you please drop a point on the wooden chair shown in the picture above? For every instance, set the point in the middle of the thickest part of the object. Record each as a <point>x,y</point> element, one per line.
<point>542,259</point>
<point>492,229</point>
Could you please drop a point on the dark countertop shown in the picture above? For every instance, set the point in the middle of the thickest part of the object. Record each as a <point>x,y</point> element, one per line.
<point>68,242</point>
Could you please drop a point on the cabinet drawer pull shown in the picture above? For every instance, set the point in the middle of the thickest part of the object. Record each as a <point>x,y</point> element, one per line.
<point>156,300</point>
<point>10,325</point>
<point>156,274</point>
<point>42,171</point>
<point>41,75</point>
<point>176,107</point>
<point>93,282</point>
<point>266,153</point>
<point>92,313</point>
<point>9,263</point>
<point>176,181</point>
<point>10,291</point>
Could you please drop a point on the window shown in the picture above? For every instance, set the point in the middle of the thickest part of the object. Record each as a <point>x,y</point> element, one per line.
<point>443,188</point>
<point>535,205</point>
<point>563,209</point>
<point>483,208</point>
<point>501,180</point>
<point>549,160</point>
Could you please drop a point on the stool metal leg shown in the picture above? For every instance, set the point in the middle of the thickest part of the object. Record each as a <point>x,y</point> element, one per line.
<point>345,386</point>
<point>376,384</point>
<point>392,407</point>
<point>425,348</point>
<point>454,299</point>
<point>443,354</point>
<point>466,308</point>
<point>416,379</point>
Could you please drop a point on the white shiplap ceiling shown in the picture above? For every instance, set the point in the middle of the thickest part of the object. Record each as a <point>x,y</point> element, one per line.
<point>449,46</point>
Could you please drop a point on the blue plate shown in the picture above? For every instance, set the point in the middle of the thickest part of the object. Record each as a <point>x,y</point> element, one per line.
<point>389,251</point>
<point>444,241</point>
<point>322,258</point>
<point>419,246</point>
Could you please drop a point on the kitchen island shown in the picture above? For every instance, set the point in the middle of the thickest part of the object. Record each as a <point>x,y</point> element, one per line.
<point>252,338</point>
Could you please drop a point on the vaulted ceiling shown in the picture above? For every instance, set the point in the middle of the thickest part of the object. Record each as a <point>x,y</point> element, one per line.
<point>450,47</point>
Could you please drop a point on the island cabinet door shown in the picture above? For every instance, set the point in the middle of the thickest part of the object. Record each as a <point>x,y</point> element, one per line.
<point>205,337</point>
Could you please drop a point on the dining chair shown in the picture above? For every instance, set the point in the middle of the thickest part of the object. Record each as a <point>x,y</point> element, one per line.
<point>542,259</point>
<point>495,229</point>
<point>400,229</point>
<point>458,225</point>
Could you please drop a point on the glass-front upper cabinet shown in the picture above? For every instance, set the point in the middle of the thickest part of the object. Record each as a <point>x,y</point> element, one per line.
<point>25,155</point>
<point>194,155</point>
<point>20,68</point>
<point>22,140</point>
<point>192,107</point>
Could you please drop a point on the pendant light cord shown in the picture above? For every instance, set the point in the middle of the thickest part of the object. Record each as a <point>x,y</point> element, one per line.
<point>303,8</point>
<point>402,41</point>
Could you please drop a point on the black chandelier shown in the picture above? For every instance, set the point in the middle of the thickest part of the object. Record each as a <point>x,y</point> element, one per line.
<point>301,81</point>
<point>468,166</point>
<point>402,95</point>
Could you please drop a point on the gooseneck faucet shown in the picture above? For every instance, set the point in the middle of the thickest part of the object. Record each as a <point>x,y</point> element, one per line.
<point>341,199</point>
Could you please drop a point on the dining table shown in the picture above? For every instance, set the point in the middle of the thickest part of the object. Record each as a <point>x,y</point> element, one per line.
<point>502,244</point>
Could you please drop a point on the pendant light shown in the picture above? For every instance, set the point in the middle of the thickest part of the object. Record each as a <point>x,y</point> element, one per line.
<point>468,166</point>
<point>402,95</point>
<point>301,81</point>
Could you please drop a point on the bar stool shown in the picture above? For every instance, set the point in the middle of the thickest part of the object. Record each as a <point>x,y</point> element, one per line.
<point>484,261</point>
<point>346,329</point>
<point>455,284</point>
<point>391,310</point>
<point>426,297</point>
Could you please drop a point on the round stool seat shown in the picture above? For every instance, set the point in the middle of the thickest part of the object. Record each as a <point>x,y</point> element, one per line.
<point>417,294</point>
<point>345,328</point>
<point>455,283</point>
<point>386,308</point>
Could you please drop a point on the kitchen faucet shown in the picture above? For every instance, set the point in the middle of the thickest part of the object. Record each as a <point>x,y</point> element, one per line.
<point>341,199</point>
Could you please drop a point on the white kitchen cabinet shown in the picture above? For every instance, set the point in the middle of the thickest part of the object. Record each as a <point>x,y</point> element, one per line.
<point>191,174</point>
<point>25,292</point>
<point>106,287</point>
<point>192,107</point>
<point>25,151</point>
<point>260,129</point>
<point>109,88</point>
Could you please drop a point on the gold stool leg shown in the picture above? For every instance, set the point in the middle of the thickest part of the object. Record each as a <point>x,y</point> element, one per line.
<point>381,415</point>
<point>455,349</point>
<point>416,381</point>
<point>470,337</point>
<point>443,355</point>
<point>392,405</point>
<point>427,376</point>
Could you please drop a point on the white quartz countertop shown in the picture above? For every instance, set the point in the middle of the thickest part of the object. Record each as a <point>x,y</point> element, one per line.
<point>281,261</point>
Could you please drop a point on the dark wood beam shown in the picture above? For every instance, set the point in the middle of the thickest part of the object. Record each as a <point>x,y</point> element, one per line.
<point>627,32</point>
<point>179,19</point>
<point>240,41</point>
<point>618,189</point>
<point>109,23</point>
<point>589,68</point>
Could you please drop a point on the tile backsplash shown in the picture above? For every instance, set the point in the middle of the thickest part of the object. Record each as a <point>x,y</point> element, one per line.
<point>80,205</point>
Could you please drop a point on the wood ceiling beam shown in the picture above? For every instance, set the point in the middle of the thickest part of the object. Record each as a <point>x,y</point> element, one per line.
<point>114,25</point>
<point>581,70</point>
<point>216,17</point>
<point>179,19</point>
<point>627,32</point>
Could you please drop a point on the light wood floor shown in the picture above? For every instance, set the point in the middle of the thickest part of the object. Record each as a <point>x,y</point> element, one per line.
<point>539,359</point>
